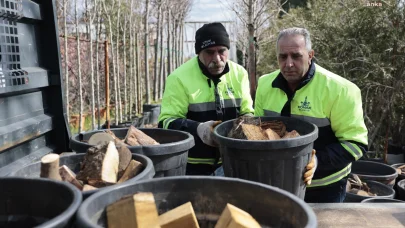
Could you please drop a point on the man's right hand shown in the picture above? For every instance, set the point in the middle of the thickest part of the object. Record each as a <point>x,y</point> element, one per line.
<point>204,131</point>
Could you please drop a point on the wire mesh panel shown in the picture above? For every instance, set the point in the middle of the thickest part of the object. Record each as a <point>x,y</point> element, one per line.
<point>11,73</point>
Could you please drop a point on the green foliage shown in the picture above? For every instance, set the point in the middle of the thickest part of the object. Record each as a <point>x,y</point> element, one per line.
<point>365,44</point>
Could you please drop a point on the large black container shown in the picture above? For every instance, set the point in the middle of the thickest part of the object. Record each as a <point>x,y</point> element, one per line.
<point>271,207</point>
<point>37,202</point>
<point>382,191</point>
<point>169,158</point>
<point>400,176</point>
<point>280,163</point>
<point>401,190</point>
<point>154,110</point>
<point>368,170</point>
<point>73,162</point>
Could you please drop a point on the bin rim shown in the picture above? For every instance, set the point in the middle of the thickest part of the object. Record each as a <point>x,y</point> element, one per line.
<point>312,221</point>
<point>69,212</point>
<point>264,144</point>
<point>394,174</point>
<point>150,150</point>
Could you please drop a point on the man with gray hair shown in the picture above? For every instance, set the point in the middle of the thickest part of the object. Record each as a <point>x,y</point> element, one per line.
<point>305,90</point>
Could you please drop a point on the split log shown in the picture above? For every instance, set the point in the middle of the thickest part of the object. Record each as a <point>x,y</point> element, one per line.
<point>125,158</point>
<point>100,138</point>
<point>133,169</point>
<point>271,135</point>
<point>135,136</point>
<point>291,134</point>
<point>50,167</point>
<point>69,176</point>
<point>87,187</point>
<point>100,165</point>
<point>253,132</point>
<point>234,217</point>
<point>181,216</point>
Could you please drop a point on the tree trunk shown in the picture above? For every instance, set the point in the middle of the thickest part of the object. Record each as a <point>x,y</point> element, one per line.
<point>79,69</point>
<point>138,73</point>
<point>156,67</point>
<point>98,32</point>
<point>131,63</point>
<point>146,54</point>
<point>66,61</point>
<point>125,71</point>
<point>169,67</point>
<point>162,59</point>
<point>181,53</point>
<point>251,54</point>
<point>93,120</point>
<point>118,106</point>
<point>173,44</point>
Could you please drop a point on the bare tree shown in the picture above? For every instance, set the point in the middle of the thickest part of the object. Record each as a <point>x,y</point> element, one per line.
<point>98,32</point>
<point>79,68</point>
<point>162,59</point>
<point>157,68</point>
<point>146,52</point>
<point>117,84</point>
<point>131,60</point>
<point>92,16</point>
<point>66,59</point>
<point>169,67</point>
<point>125,68</point>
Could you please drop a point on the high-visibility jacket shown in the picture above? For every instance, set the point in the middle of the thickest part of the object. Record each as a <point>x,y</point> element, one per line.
<point>329,101</point>
<point>190,97</point>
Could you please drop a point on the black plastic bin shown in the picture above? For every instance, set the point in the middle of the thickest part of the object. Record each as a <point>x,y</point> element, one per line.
<point>37,202</point>
<point>73,162</point>
<point>169,158</point>
<point>368,170</point>
<point>382,191</point>
<point>280,163</point>
<point>154,110</point>
<point>401,190</point>
<point>271,207</point>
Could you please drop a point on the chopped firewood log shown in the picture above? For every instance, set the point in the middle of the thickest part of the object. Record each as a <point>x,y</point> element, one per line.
<point>69,176</point>
<point>137,211</point>
<point>136,136</point>
<point>116,139</point>
<point>50,167</point>
<point>291,134</point>
<point>133,169</point>
<point>271,135</point>
<point>100,165</point>
<point>275,125</point>
<point>233,217</point>
<point>125,158</point>
<point>181,216</point>
<point>100,138</point>
<point>253,132</point>
<point>87,187</point>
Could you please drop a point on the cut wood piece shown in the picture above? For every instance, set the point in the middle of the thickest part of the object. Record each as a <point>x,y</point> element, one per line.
<point>50,167</point>
<point>100,138</point>
<point>100,165</point>
<point>137,211</point>
<point>181,216</point>
<point>133,169</point>
<point>291,134</point>
<point>253,132</point>
<point>141,138</point>
<point>233,217</point>
<point>116,139</point>
<point>130,139</point>
<point>69,176</point>
<point>87,187</point>
<point>276,125</point>
<point>271,135</point>
<point>125,158</point>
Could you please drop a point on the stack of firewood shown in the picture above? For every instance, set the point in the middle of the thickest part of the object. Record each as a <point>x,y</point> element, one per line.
<point>251,128</point>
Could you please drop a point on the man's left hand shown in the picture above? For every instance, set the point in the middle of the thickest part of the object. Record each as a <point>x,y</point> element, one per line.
<point>311,167</point>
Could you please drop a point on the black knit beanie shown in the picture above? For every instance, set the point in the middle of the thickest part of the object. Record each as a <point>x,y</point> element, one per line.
<point>209,35</point>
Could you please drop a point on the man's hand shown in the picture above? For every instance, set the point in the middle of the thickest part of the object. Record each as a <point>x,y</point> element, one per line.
<point>204,131</point>
<point>311,167</point>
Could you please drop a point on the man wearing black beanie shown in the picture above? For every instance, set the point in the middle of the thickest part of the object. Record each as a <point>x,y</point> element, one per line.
<point>203,91</point>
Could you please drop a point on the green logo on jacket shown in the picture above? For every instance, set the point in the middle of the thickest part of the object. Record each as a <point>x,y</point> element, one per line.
<point>305,105</point>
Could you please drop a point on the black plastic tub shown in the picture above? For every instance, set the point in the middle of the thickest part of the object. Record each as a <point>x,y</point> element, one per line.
<point>400,176</point>
<point>154,110</point>
<point>73,162</point>
<point>381,200</point>
<point>401,190</point>
<point>37,202</point>
<point>169,158</point>
<point>368,170</point>
<point>270,206</point>
<point>382,191</point>
<point>280,163</point>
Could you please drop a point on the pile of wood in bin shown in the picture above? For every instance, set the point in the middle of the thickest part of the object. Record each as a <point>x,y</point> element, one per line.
<point>356,186</point>
<point>139,210</point>
<point>252,128</point>
<point>107,163</point>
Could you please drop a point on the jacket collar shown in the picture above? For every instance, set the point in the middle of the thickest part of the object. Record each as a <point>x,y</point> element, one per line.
<point>282,84</point>
<point>215,78</point>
